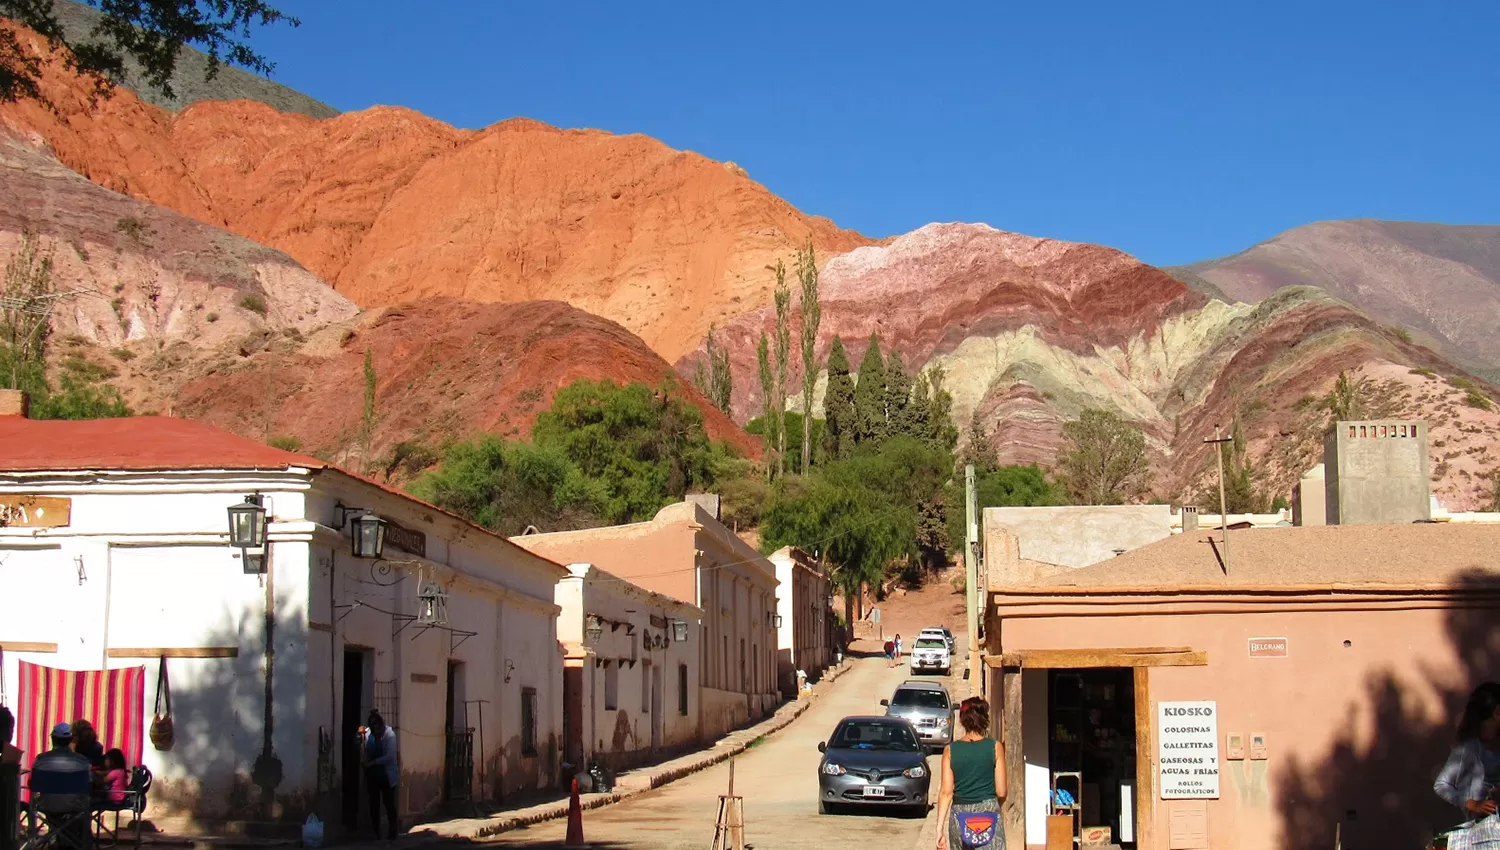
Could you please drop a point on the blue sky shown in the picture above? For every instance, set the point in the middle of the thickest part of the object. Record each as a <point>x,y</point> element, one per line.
<point>1176,131</point>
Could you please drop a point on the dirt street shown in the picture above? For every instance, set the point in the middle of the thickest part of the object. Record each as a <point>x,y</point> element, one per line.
<point>778,779</point>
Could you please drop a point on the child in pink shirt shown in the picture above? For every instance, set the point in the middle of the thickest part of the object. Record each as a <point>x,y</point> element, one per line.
<point>116,777</point>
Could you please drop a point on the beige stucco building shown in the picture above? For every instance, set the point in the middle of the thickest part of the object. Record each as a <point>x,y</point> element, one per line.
<point>804,638</point>
<point>687,554</point>
<point>630,677</point>
<point>1309,688</point>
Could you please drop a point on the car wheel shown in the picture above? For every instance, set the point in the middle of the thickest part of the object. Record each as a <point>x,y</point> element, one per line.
<point>919,812</point>
<point>825,807</point>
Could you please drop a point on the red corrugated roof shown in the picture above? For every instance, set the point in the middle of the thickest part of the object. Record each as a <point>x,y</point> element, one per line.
<point>134,443</point>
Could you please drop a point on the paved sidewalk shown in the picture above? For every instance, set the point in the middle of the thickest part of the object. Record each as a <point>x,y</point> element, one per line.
<point>640,780</point>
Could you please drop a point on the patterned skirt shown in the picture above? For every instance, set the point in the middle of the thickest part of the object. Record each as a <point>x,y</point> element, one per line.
<point>1481,835</point>
<point>955,841</point>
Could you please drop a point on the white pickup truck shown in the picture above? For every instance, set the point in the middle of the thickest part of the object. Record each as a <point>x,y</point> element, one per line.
<point>931,652</point>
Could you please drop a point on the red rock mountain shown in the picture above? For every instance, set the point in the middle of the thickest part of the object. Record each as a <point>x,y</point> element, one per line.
<point>1438,283</point>
<point>389,206</point>
<point>1031,331</point>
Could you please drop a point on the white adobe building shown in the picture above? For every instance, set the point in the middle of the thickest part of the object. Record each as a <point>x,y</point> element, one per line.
<point>803,618</point>
<point>277,654</point>
<point>630,686</point>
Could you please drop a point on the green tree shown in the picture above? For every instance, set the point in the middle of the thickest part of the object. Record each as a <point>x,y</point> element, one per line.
<point>812,318</point>
<point>1105,462</point>
<point>978,449</point>
<point>1002,487</point>
<point>26,306</point>
<point>870,396</point>
<point>147,33</point>
<point>715,379</point>
<point>509,486</point>
<point>783,299</point>
<point>794,428</point>
<point>1349,399</point>
<point>367,415</point>
<point>941,432</point>
<point>767,403</point>
<point>1242,491</point>
<point>898,390</point>
<point>646,448</point>
<point>838,405</point>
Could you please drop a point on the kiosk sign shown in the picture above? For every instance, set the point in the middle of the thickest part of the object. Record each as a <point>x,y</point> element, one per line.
<point>1187,735</point>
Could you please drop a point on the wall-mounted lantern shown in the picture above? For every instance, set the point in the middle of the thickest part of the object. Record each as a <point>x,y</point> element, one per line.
<point>432,604</point>
<point>679,631</point>
<point>366,530</point>
<point>593,629</point>
<point>776,621</point>
<point>247,532</point>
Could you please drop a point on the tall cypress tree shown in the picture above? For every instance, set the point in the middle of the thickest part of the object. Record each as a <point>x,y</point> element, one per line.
<point>898,398</point>
<point>838,404</point>
<point>869,396</point>
<point>941,432</point>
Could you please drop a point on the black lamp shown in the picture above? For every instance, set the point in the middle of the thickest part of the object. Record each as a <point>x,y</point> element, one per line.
<point>593,629</point>
<point>368,536</point>
<point>679,630</point>
<point>432,604</point>
<point>247,524</point>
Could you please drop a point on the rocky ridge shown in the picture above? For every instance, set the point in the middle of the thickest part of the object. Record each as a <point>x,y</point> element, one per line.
<point>389,206</point>
<point>1031,331</point>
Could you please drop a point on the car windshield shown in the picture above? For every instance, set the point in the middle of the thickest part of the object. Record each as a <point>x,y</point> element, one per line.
<point>919,698</point>
<point>931,643</point>
<point>874,735</point>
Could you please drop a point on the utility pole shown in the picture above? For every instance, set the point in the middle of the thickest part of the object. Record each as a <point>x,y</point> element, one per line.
<point>971,575</point>
<point>1219,440</point>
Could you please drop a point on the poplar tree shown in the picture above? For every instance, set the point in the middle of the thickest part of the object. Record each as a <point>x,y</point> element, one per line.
<point>812,317</point>
<point>783,298</point>
<point>767,401</point>
<point>898,398</point>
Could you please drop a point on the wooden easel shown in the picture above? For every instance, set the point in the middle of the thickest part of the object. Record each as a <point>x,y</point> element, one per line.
<point>729,831</point>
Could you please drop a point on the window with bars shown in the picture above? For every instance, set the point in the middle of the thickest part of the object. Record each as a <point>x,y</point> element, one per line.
<point>528,721</point>
<point>388,702</point>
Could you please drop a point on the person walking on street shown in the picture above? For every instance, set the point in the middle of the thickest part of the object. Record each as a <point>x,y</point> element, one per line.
<point>973,784</point>
<point>381,772</point>
<point>1471,776</point>
<point>898,649</point>
<point>890,653</point>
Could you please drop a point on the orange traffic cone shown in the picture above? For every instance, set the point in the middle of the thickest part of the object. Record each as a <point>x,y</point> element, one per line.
<point>575,819</point>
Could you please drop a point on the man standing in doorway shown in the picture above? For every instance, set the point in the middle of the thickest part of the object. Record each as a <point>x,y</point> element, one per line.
<point>381,771</point>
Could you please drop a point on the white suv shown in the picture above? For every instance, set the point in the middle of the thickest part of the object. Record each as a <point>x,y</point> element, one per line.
<point>931,652</point>
<point>942,632</point>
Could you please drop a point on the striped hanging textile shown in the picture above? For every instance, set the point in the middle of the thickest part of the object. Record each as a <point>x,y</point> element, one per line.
<point>113,700</point>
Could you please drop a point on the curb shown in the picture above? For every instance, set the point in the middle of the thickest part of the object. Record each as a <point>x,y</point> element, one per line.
<point>629,785</point>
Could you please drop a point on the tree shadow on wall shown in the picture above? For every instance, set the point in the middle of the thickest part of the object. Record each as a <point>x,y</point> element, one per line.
<point>1376,791</point>
<point>218,768</point>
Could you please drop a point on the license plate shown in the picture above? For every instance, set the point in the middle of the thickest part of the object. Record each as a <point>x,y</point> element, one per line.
<point>874,791</point>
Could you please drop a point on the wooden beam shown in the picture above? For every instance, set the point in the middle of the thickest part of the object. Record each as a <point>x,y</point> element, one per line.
<point>1013,812</point>
<point>320,627</point>
<point>1145,758</point>
<point>27,646</point>
<point>1044,659</point>
<point>177,652</point>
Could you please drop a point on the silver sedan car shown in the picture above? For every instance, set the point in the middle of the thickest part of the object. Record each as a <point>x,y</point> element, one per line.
<point>873,761</point>
<point>927,706</point>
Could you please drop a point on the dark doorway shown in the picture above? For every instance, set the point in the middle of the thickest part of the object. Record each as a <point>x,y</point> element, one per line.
<point>458,755</point>
<point>1092,748</point>
<point>351,717</point>
<point>573,716</point>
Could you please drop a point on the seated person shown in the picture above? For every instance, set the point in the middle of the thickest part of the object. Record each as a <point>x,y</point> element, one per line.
<point>60,778</point>
<point>86,743</point>
<point>116,777</point>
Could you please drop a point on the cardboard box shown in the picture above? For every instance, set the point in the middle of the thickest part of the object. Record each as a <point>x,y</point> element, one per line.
<point>1059,832</point>
<point>1096,836</point>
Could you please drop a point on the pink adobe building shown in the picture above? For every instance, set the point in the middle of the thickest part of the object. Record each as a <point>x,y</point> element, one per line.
<point>1309,691</point>
<point>688,555</point>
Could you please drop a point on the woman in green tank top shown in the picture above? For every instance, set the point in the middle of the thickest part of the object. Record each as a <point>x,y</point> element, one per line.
<point>973,784</point>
